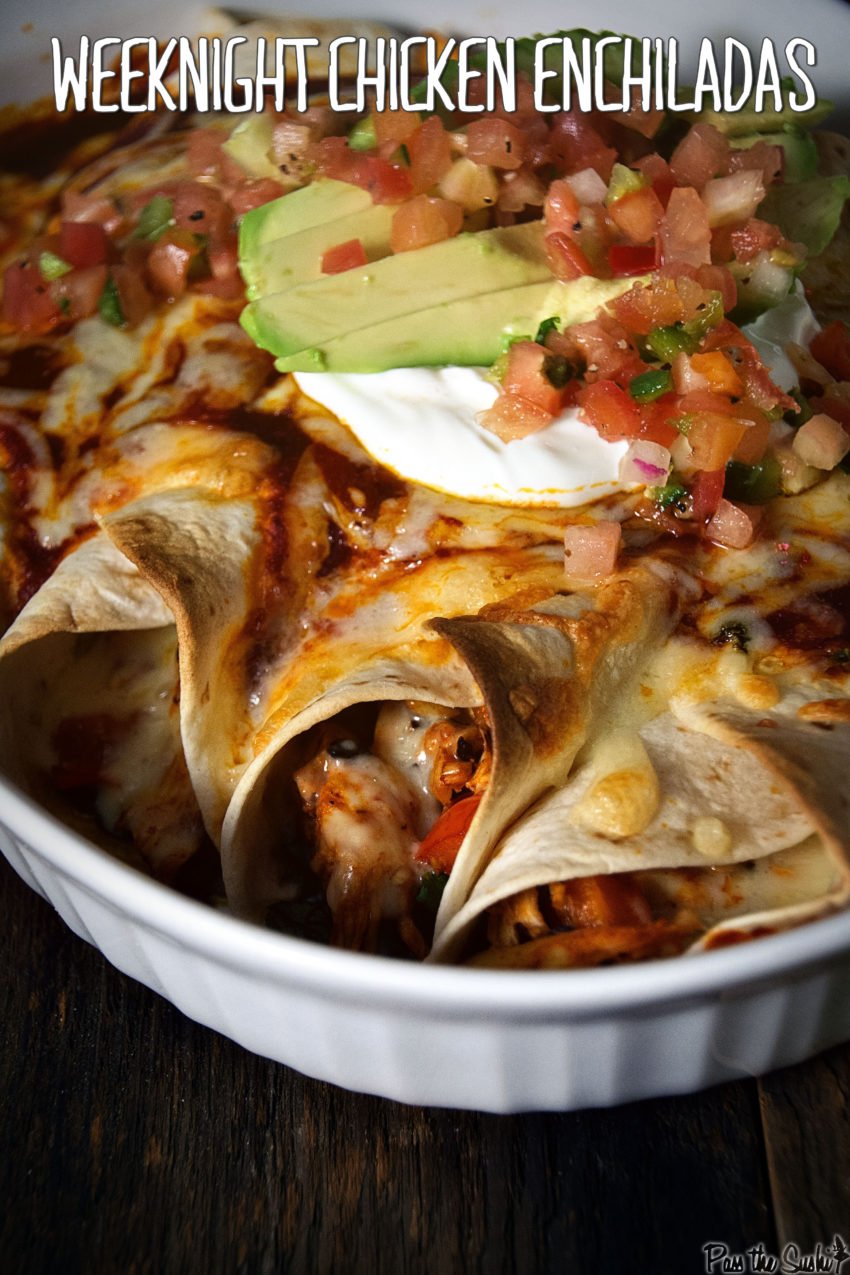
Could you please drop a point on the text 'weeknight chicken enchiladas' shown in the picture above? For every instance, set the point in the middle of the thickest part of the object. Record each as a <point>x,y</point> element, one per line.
<point>428,531</point>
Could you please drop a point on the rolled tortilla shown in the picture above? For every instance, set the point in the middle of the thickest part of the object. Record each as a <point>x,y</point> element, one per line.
<point>88,681</point>
<point>746,774</point>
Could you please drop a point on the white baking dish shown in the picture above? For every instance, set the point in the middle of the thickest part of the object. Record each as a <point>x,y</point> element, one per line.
<point>497,1041</point>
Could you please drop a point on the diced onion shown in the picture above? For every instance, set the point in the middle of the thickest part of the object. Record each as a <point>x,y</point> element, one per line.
<point>821,442</point>
<point>733,198</point>
<point>647,463</point>
<point>733,525</point>
<point>587,186</point>
<point>590,552</point>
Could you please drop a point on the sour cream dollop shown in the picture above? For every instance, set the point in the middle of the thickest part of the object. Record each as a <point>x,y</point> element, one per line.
<point>422,423</point>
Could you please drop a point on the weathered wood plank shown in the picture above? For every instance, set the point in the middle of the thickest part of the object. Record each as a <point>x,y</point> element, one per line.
<point>135,1141</point>
<point>806,1115</point>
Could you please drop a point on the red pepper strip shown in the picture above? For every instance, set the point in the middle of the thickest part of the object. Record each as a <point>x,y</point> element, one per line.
<point>439,848</point>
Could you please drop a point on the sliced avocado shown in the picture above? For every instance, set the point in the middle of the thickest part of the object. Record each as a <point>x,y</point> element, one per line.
<point>322,201</point>
<point>748,120</point>
<point>801,153</point>
<point>283,263</point>
<point>312,314</point>
<point>468,331</point>
<point>250,145</point>
<point>282,243</point>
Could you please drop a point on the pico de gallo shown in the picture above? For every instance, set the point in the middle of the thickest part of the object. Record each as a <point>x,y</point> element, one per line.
<point>665,365</point>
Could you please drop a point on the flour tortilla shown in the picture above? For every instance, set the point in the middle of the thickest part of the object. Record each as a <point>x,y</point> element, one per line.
<point>771,780</point>
<point>97,644</point>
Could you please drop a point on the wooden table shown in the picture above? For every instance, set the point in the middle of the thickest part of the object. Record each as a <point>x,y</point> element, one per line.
<point>136,1141</point>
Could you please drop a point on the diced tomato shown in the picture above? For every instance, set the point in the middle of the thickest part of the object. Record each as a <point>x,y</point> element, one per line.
<point>702,154</point>
<point>28,302</point>
<point>712,371</point>
<point>706,493</point>
<point>203,150</point>
<point>253,193</point>
<point>604,346</point>
<point>659,304</point>
<point>837,408</point>
<point>91,208</point>
<point>831,347</point>
<point>753,444</point>
<point>660,175</point>
<point>566,258</point>
<point>713,437</point>
<point>575,144</point>
<point>225,280</point>
<point>719,279</point>
<point>764,158</point>
<point>526,377</point>
<point>424,220</point>
<point>430,155</point>
<point>753,237</point>
<point>495,142</point>
<point>201,210</point>
<point>512,417</point>
<point>684,232</point>
<point>395,126</point>
<point>345,256</point>
<point>610,410</point>
<point>519,190</point>
<point>387,183</point>
<point>78,293</point>
<point>440,846</point>
<point>638,214</point>
<point>169,261</point>
<point>83,243</point>
<point>590,552</point>
<point>136,300</point>
<point>758,387</point>
<point>631,259</point>
<point>655,421</point>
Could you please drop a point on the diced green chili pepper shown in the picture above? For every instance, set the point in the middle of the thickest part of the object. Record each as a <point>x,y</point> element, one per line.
<point>109,305</point>
<point>753,484</point>
<point>706,318</point>
<point>53,267</point>
<point>666,343</point>
<point>648,386</point>
<point>431,890</point>
<point>363,136</point>
<point>154,219</point>
<point>671,494</point>
<point>547,326</point>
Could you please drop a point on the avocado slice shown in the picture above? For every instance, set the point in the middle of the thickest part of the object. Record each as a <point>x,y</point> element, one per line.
<point>322,201</point>
<point>312,314</point>
<point>748,120</point>
<point>801,153</point>
<point>468,331</point>
<point>297,258</point>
